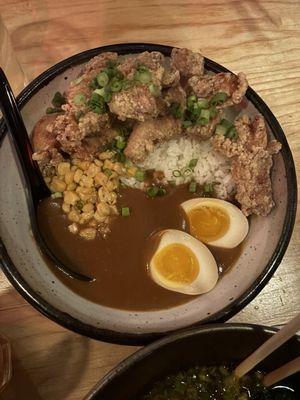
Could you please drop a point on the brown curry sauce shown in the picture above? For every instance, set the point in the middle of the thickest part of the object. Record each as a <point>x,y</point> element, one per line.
<point>119,261</point>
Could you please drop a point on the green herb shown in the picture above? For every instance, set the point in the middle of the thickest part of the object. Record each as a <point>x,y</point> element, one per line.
<point>227,124</point>
<point>220,130</point>
<point>190,102</point>
<point>142,68</point>
<point>175,110</point>
<point>105,93</point>
<point>120,143</point>
<point>152,191</point>
<point>142,76</point>
<point>186,124</point>
<point>97,103</point>
<point>79,205</point>
<point>204,117</point>
<point>193,163</point>
<point>186,171</point>
<point>154,90</point>
<point>52,110</point>
<point>58,100</point>
<point>115,84</point>
<point>193,187</point>
<point>203,103</point>
<point>125,211</point>
<point>176,173</point>
<point>107,171</point>
<point>161,192</point>
<point>79,99</point>
<point>208,189</point>
<point>102,79</point>
<point>120,156</point>
<point>213,111</point>
<point>140,175</point>
<point>232,133</point>
<point>218,98</point>
<point>127,84</point>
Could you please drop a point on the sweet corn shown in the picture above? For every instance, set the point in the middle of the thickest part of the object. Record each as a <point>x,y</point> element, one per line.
<point>69,177</point>
<point>105,155</point>
<point>88,207</point>
<point>70,197</point>
<point>57,185</point>
<point>63,168</point>
<point>66,207</point>
<point>77,175</point>
<point>73,216</point>
<point>92,170</point>
<point>100,178</point>
<point>103,209</point>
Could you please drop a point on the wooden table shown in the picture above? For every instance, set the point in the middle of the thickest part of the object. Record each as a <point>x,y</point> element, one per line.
<point>261,38</point>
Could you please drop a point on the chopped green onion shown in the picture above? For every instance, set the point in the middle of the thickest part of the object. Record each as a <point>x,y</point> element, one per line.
<point>111,64</point>
<point>127,84</point>
<point>190,101</point>
<point>232,133</point>
<point>220,130</point>
<point>176,173</point>
<point>227,124</point>
<point>186,124</point>
<point>101,91</point>
<point>218,98</point>
<point>52,110</point>
<point>154,90</point>
<point>120,156</point>
<point>213,111</point>
<point>193,187</point>
<point>203,103</point>
<point>107,171</point>
<point>143,68</point>
<point>204,117</point>
<point>175,110</point>
<point>140,175</point>
<point>142,76</point>
<point>193,163</point>
<point>186,171</point>
<point>58,100</point>
<point>102,79</point>
<point>161,192</point>
<point>97,103</point>
<point>93,84</point>
<point>115,85</point>
<point>125,211</point>
<point>152,191</point>
<point>120,143</point>
<point>208,188</point>
<point>79,99</point>
<point>77,81</point>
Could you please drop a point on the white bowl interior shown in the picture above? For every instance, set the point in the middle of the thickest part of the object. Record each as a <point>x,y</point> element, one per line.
<point>17,237</point>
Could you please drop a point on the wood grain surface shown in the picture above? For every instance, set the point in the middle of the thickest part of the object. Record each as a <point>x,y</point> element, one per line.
<point>260,38</point>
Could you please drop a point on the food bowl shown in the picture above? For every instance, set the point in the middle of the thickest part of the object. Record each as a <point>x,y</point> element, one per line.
<point>217,344</point>
<point>26,269</point>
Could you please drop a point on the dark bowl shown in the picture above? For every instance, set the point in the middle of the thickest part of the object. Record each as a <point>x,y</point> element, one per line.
<point>26,269</point>
<point>218,344</point>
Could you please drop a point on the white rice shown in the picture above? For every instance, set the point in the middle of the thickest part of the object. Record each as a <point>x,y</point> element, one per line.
<point>176,154</point>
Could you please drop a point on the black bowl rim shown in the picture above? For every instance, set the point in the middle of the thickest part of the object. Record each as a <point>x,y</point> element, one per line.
<point>69,322</point>
<point>144,352</point>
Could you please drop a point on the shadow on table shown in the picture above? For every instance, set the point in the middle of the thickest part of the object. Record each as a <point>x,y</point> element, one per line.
<point>43,354</point>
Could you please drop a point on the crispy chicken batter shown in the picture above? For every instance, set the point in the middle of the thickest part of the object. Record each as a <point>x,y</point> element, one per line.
<point>187,62</point>
<point>251,164</point>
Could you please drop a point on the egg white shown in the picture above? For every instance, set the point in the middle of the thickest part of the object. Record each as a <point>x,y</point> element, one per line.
<point>238,224</point>
<point>208,271</point>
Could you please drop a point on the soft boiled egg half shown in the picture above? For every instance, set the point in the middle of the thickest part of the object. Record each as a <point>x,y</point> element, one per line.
<point>183,264</point>
<point>216,222</point>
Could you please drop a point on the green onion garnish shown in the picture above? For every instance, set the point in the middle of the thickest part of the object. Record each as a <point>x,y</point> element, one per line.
<point>125,211</point>
<point>190,101</point>
<point>227,124</point>
<point>208,188</point>
<point>58,100</point>
<point>232,133</point>
<point>161,192</point>
<point>213,111</point>
<point>193,187</point>
<point>154,90</point>
<point>97,103</point>
<point>93,84</point>
<point>120,156</point>
<point>140,175</point>
<point>77,81</point>
<point>101,91</point>
<point>79,99</point>
<point>176,173</point>
<point>127,84</point>
<point>120,143</point>
<point>220,130</point>
<point>102,79</point>
<point>204,117</point>
<point>152,191</point>
<point>193,163</point>
<point>115,85</point>
<point>52,110</point>
<point>142,76</point>
<point>203,103</point>
<point>107,171</point>
<point>218,98</point>
<point>186,124</point>
<point>175,110</point>
<point>186,171</point>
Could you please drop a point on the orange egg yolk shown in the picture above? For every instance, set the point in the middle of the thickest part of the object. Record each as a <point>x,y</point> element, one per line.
<point>177,264</point>
<point>208,223</point>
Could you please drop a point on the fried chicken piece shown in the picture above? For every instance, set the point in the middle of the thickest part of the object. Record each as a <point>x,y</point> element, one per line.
<point>146,134</point>
<point>171,77</point>
<point>187,62</point>
<point>42,134</point>
<point>136,102</point>
<point>203,132</point>
<point>177,95</point>
<point>251,164</point>
<point>153,61</point>
<point>207,86</point>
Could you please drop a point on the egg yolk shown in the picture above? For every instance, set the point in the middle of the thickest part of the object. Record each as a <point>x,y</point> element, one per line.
<point>208,223</point>
<point>177,263</point>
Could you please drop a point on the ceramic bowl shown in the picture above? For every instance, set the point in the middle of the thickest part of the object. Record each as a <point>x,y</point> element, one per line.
<point>220,344</point>
<point>25,268</point>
